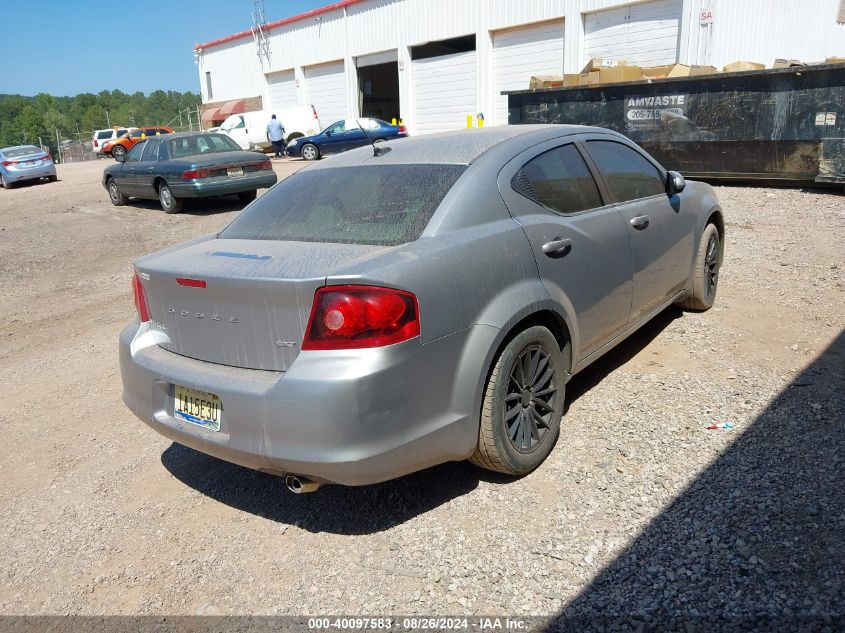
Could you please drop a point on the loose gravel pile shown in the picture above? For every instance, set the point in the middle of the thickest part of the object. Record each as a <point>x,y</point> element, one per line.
<point>642,518</point>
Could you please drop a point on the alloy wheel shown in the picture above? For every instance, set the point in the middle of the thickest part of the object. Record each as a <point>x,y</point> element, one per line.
<point>711,267</point>
<point>530,400</point>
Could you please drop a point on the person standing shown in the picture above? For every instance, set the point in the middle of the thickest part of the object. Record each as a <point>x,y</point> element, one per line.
<point>276,135</point>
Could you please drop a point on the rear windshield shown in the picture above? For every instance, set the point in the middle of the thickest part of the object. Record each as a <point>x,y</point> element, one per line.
<point>26,150</point>
<point>201,144</point>
<point>106,134</point>
<point>374,204</point>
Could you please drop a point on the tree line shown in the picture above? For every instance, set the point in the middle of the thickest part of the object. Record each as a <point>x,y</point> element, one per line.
<point>23,120</point>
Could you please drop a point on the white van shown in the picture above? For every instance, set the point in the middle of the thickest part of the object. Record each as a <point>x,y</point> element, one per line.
<point>249,130</point>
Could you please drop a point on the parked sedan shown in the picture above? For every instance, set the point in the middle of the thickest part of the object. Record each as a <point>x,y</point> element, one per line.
<point>342,136</point>
<point>25,162</point>
<point>374,315</point>
<point>188,165</point>
<point>125,142</point>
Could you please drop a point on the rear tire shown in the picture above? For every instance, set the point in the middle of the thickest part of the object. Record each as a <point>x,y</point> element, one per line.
<point>117,198</point>
<point>523,404</point>
<point>708,261</point>
<point>247,196</point>
<point>309,151</point>
<point>118,150</point>
<point>5,184</point>
<point>169,202</point>
<point>52,178</point>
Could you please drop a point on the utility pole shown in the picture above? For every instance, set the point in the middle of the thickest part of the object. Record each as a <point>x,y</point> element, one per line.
<point>181,125</point>
<point>132,117</point>
<point>59,145</point>
<point>79,140</point>
<point>108,121</point>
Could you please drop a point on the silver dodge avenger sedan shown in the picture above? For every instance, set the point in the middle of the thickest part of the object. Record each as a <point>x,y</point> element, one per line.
<point>394,308</point>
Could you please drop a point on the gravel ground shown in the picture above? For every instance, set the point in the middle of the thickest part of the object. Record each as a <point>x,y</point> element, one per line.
<point>640,516</point>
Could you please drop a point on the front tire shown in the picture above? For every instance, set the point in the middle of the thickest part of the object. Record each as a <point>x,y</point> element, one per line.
<point>169,202</point>
<point>118,150</point>
<point>309,152</point>
<point>117,198</point>
<point>523,404</point>
<point>708,261</point>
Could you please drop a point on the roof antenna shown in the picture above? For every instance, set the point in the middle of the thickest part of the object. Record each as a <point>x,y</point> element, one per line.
<point>377,151</point>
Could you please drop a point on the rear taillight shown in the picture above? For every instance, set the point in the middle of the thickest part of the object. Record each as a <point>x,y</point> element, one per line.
<point>141,304</point>
<point>193,174</point>
<point>96,144</point>
<point>351,317</point>
<point>403,129</point>
<point>265,165</point>
<point>7,163</point>
<point>47,157</point>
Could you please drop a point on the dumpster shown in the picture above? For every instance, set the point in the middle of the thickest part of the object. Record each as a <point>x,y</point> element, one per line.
<point>785,124</point>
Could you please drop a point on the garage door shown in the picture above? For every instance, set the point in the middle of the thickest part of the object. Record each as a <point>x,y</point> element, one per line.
<point>645,34</point>
<point>520,53</point>
<point>325,89</point>
<point>443,92</point>
<point>281,90</point>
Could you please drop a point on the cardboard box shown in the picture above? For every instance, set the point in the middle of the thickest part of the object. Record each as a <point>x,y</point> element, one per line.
<point>590,78</point>
<point>734,67</point>
<point>620,73</point>
<point>786,63</point>
<point>554,81</point>
<point>657,72</point>
<point>597,63</point>
<point>545,81</point>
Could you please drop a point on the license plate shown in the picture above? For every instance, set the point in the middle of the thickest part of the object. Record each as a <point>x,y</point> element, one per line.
<point>29,163</point>
<point>235,171</point>
<point>197,407</point>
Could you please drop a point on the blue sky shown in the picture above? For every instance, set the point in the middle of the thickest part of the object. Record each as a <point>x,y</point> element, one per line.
<point>64,47</point>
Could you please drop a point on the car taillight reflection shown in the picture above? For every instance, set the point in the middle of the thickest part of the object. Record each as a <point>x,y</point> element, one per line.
<point>353,317</point>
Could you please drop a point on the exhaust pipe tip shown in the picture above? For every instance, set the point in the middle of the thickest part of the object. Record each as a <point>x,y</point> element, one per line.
<point>300,485</point>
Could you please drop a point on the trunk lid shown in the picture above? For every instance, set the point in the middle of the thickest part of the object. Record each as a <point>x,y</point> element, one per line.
<point>256,301</point>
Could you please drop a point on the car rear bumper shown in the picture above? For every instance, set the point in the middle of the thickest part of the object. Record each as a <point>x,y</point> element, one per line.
<point>350,417</point>
<point>223,186</point>
<point>12,174</point>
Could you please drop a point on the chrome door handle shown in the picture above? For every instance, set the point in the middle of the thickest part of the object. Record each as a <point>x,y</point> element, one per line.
<point>640,222</point>
<point>558,247</point>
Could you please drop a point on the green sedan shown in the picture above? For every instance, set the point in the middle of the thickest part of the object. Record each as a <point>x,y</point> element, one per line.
<point>187,165</point>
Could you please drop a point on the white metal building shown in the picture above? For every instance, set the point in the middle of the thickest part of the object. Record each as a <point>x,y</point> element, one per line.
<point>432,62</point>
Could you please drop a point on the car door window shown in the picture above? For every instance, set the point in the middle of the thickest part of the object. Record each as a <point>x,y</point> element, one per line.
<point>628,174</point>
<point>150,151</point>
<point>134,154</point>
<point>560,180</point>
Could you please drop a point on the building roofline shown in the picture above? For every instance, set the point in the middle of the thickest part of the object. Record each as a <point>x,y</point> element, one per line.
<point>272,25</point>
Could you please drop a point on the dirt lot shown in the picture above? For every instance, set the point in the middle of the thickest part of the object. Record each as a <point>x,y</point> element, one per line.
<point>640,511</point>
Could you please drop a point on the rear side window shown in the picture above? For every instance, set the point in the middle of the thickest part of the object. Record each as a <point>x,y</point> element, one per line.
<point>560,180</point>
<point>376,204</point>
<point>150,151</point>
<point>628,174</point>
<point>121,132</point>
<point>136,133</point>
<point>106,134</point>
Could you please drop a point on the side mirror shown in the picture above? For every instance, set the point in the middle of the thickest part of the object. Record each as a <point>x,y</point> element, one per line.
<point>675,183</point>
<point>120,158</point>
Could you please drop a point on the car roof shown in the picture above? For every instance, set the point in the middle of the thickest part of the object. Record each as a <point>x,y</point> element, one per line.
<point>460,147</point>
